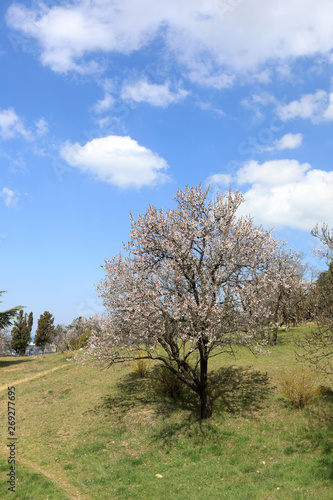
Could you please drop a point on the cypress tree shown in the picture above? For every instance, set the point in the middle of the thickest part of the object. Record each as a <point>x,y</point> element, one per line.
<point>21,332</point>
<point>30,322</point>
<point>45,330</point>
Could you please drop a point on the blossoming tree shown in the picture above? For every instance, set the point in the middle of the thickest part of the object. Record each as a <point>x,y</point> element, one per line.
<point>192,282</point>
<point>316,347</point>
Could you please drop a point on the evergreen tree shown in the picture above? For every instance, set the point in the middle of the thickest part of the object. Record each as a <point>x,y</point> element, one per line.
<point>45,330</point>
<point>30,321</point>
<point>21,332</point>
<point>6,317</point>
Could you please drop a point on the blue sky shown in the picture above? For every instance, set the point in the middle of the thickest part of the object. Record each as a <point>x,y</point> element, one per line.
<point>108,106</point>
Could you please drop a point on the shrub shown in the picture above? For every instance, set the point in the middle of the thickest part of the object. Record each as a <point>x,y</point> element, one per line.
<point>165,382</point>
<point>141,367</point>
<point>299,386</point>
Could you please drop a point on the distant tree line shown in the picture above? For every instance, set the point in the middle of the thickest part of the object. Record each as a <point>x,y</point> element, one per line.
<point>76,335</point>
<point>16,330</point>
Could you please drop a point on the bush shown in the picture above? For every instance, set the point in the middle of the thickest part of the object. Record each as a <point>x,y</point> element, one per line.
<point>141,367</point>
<point>299,386</point>
<point>165,382</point>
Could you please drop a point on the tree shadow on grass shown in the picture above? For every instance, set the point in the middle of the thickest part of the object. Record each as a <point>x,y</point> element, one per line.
<point>131,392</point>
<point>13,360</point>
<point>239,390</point>
<point>234,390</point>
<point>321,411</point>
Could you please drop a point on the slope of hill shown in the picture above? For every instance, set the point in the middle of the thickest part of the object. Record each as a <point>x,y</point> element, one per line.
<point>86,433</point>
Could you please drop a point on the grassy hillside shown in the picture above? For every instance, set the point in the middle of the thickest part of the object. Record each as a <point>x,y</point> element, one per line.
<point>84,432</point>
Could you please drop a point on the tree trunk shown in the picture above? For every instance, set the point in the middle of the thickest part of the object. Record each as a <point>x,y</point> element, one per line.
<point>276,317</point>
<point>206,404</point>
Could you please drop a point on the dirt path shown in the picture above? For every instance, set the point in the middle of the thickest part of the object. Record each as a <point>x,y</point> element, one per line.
<point>71,491</point>
<point>68,488</point>
<point>58,481</point>
<point>27,379</point>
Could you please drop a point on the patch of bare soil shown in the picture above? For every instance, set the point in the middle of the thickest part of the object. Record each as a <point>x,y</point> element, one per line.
<point>32,377</point>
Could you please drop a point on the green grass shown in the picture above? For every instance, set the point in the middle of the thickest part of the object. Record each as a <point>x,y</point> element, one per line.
<point>107,433</point>
<point>29,485</point>
<point>18,368</point>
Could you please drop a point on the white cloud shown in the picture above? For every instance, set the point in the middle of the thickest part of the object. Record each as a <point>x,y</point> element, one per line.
<point>208,106</point>
<point>104,104</point>
<point>284,71</point>
<point>10,198</point>
<point>11,125</point>
<point>42,127</point>
<point>214,40</point>
<point>220,179</point>
<point>104,122</point>
<point>108,101</point>
<point>152,93</point>
<point>288,141</point>
<point>206,75</point>
<point>287,193</point>
<point>117,160</point>
<point>17,162</point>
<point>271,173</point>
<point>66,33</point>
<point>328,113</point>
<point>317,107</point>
